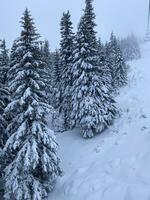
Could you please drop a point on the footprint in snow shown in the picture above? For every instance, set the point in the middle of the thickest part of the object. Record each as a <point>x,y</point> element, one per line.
<point>97,149</point>
<point>129,119</point>
<point>115,131</point>
<point>143,116</point>
<point>125,133</point>
<point>117,142</point>
<point>144,128</point>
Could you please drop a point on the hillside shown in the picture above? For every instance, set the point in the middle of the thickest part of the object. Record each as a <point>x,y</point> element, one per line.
<point>116,164</point>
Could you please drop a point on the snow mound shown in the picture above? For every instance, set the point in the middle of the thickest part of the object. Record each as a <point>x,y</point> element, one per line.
<point>116,164</point>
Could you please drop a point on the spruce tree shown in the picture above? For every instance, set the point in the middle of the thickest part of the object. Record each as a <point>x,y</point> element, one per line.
<point>4,98</point>
<point>57,78</point>
<point>116,63</point>
<point>4,93</point>
<point>4,62</point>
<point>120,70</point>
<point>14,60</point>
<point>104,70</point>
<point>66,57</point>
<point>58,117</point>
<point>45,48</point>
<point>31,150</point>
<point>46,64</point>
<point>93,109</point>
<point>101,53</point>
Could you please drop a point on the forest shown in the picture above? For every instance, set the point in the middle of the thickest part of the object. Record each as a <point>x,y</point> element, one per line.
<point>45,93</point>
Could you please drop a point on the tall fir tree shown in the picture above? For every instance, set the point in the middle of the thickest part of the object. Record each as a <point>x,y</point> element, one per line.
<point>31,150</point>
<point>57,78</point>
<point>101,53</point>
<point>120,70</point>
<point>116,63</point>
<point>57,70</point>
<point>93,109</point>
<point>4,98</point>
<point>14,60</point>
<point>4,62</point>
<point>104,69</point>
<point>46,64</point>
<point>4,93</point>
<point>66,57</point>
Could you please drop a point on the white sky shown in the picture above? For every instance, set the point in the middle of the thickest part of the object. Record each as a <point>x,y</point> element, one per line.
<point>120,16</point>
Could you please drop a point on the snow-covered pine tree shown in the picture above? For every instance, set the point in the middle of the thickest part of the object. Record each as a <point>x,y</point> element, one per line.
<point>120,70</point>
<point>101,52</point>
<point>57,70</point>
<point>93,107</point>
<point>4,97</point>
<point>4,100</point>
<point>116,63</point>
<point>45,48</point>
<point>66,57</point>
<point>31,150</point>
<point>57,78</point>
<point>109,55</point>
<point>58,117</point>
<point>14,60</point>
<point>104,69</point>
<point>4,62</point>
<point>4,93</point>
<point>46,64</point>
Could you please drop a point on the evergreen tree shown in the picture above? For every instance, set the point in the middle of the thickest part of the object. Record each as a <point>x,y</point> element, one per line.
<point>110,57</point>
<point>120,70</point>
<point>57,77</point>
<point>4,62</point>
<point>14,60</point>
<point>4,93</point>
<point>66,57</point>
<point>101,53</point>
<point>4,97</point>
<point>46,64</point>
<point>93,109</point>
<point>57,71</point>
<point>31,150</point>
<point>116,63</point>
<point>45,48</point>
<point>57,119</point>
<point>104,70</point>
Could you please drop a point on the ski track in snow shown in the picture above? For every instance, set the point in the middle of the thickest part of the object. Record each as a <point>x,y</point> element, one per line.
<point>116,164</point>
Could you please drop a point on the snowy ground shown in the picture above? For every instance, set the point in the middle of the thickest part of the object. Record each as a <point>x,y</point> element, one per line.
<point>116,164</point>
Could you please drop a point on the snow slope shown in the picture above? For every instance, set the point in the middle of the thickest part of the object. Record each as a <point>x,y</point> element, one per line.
<point>116,164</point>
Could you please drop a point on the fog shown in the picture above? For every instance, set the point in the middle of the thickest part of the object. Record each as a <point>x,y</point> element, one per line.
<point>120,16</point>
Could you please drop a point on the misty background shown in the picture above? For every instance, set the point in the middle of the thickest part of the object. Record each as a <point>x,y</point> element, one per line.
<point>122,17</point>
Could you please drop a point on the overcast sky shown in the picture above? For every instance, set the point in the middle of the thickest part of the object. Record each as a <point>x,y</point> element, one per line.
<point>120,16</point>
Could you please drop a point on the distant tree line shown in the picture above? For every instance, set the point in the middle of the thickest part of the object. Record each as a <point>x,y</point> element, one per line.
<point>130,48</point>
